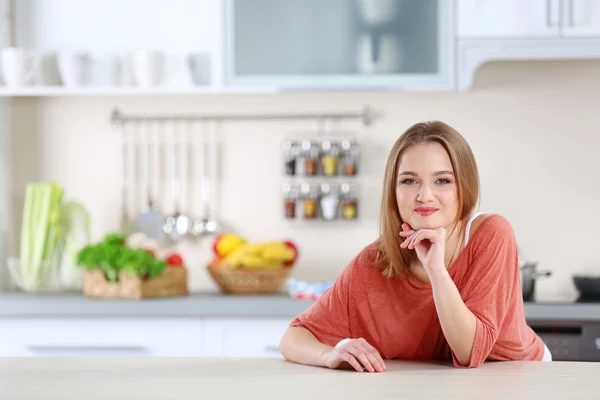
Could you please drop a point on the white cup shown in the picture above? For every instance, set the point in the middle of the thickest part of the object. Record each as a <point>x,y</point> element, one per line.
<point>200,68</point>
<point>18,66</point>
<point>74,67</point>
<point>152,68</point>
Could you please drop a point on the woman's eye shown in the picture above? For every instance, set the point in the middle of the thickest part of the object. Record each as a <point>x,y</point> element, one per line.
<point>443,181</point>
<point>408,181</point>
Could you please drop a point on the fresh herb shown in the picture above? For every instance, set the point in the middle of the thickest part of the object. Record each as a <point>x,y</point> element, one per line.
<point>112,256</point>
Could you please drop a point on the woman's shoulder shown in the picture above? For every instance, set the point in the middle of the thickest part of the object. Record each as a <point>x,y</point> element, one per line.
<point>486,227</point>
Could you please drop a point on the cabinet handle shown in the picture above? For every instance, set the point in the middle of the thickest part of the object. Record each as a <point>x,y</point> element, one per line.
<point>549,13</point>
<point>272,349</point>
<point>55,350</point>
<point>571,14</point>
<point>597,343</point>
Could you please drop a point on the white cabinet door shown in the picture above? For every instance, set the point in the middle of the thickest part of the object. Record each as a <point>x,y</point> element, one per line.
<point>581,18</point>
<point>244,337</point>
<point>101,337</point>
<point>508,18</point>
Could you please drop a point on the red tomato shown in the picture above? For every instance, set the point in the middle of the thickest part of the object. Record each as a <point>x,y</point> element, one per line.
<point>174,260</point>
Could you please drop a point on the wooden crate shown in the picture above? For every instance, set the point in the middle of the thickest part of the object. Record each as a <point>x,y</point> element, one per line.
<point>172,282</point>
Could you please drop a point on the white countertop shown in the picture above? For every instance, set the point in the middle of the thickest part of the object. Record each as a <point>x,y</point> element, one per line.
<point>223,378</point>
<point>212,304</point>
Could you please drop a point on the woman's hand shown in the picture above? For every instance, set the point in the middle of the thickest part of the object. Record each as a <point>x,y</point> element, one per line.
<point>430,245</point>
<point>358,353</point>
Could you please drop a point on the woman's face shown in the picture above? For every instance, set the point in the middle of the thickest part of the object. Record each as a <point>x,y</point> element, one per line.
<point>426,188</point>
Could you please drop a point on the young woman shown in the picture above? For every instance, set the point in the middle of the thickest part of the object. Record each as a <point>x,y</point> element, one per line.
<point>440,283</point>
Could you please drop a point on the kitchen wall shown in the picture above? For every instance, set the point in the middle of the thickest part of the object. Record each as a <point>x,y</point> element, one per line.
<point>533,127</point>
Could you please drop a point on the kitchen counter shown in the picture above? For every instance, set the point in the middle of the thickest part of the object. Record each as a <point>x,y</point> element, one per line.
<point>179,378</point>
<point>22,305</point>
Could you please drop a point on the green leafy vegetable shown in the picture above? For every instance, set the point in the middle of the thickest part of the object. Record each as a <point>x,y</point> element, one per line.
<point>112,256</point>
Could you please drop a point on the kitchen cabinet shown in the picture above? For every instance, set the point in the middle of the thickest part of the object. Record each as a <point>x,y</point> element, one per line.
<point>175,337</point>
<point>245,337</point>
<point>507,18</point>
<point>513,30</point>
<point>528,19</point>
<point>101,337</point>
<point>314,44</point>
<point>581,18</point>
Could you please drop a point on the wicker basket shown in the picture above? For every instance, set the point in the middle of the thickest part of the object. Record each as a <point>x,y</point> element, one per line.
<point>172,282</point>
<point>249,281</point>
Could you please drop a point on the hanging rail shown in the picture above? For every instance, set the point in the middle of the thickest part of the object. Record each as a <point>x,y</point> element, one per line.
<point>367,115</point>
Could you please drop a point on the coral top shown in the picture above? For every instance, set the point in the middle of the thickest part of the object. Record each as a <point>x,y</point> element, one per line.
<point>399,318</point>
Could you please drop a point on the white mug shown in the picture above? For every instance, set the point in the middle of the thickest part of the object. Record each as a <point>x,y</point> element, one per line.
<point>152,67</point>
<point>200,68</point>
<point>19,66</point>
<point>74,67</point>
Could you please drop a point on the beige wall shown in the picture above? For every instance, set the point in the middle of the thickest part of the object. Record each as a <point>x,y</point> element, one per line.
<point>533,128</point>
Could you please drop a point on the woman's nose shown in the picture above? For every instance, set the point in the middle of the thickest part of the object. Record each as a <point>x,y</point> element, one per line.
<point>425,194</point>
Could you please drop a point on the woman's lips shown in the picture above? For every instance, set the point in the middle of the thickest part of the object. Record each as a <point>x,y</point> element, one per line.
<point>425,211</point>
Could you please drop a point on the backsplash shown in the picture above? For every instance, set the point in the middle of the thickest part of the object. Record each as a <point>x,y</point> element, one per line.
<point>534,139</point>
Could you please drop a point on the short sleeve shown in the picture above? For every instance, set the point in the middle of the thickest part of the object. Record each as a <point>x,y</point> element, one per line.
<point>328,317</point>
<point>492,285</point>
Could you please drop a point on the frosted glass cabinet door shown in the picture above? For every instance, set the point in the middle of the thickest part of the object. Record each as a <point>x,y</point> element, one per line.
<point>339,43</point>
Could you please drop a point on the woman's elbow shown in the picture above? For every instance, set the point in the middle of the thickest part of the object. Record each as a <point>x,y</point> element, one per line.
<point>285,344</point>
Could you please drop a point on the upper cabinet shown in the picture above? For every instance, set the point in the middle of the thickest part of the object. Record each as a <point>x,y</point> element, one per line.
<point>507,18</point>
<point>489,30</point>
<point>350,44</point>
<point>527,19</point>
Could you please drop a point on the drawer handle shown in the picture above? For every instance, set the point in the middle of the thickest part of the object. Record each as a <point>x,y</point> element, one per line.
<point>272,349</point>
<point>49,350</point>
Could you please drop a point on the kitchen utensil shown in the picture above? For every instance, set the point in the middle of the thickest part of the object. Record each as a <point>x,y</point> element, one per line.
<point>207,225</point>
<point>529,275</point>
<point>126,224</point>
<point>151,221</point>
<point>177,224</point>
<point>588,286</point>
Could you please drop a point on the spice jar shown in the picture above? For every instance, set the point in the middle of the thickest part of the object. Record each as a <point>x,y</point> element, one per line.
<point>329,157</point>
<point>289,201</point>
<point>349,201</point>
<point>310,153</point>
<point>309,201</point>
<point>350,157</point>
<point>329,202</point>
<point>290,154</point>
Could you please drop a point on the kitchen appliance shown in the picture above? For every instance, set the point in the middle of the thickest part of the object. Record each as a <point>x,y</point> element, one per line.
<point>529,274</point>
<point>588,286</point>
<point>570,340</point>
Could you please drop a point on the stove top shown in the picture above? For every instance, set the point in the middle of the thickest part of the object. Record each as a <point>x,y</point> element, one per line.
<point>576,300</point>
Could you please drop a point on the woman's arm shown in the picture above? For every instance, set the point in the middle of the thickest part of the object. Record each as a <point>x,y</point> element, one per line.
<point>457,321</point>
<point>301,346</point>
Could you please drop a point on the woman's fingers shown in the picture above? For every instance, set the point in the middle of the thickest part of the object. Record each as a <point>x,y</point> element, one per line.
<point>349,358</point>
<point>374,357</point>
<point>361,356</point>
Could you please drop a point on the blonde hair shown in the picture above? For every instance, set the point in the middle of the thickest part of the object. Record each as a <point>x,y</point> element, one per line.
<point>396,261</point>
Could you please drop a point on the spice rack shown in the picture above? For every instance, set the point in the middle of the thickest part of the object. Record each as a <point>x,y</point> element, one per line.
<point>320,178</point>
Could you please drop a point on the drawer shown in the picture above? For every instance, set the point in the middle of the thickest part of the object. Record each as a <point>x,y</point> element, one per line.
<point>101,337</point>
<point>245,337</point>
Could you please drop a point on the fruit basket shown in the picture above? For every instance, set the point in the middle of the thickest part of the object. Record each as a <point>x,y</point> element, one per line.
<point>257,268</point>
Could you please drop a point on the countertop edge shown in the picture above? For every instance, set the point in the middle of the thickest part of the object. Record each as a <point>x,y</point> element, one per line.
<point>216,305</point>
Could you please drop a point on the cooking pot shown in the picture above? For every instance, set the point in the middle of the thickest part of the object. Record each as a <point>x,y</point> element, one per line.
<point>529,274</point>
<point>588,286</point>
